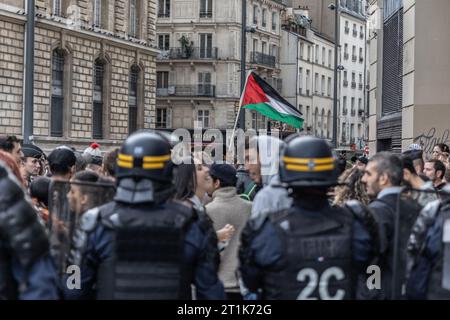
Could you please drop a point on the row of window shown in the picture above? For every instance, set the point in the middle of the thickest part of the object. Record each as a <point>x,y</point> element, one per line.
<point>355,30</point>
<point>350,129</point>
<point>100,13</point>
<point>164,118</point>
<point>354,57</point>
<point>304,83</point>
<point>260,17</point>
<point>353,84</point>
<point>317,123</point>
<point>205,11</point>
<point>270,49</point>
<point>99,106</point>
<point>320,54</point>
<point>352,106</point>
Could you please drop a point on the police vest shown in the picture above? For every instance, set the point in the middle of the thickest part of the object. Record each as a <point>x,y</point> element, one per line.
<point>317,256</point>
<point>439,281</point>
<point>146,262</point>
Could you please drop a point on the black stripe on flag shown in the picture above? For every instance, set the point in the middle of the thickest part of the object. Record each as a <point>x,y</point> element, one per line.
<point>273,93</point>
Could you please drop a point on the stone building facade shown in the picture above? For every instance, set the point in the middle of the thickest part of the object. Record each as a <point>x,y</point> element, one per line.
<point>94,72</point>
<point>198,70</point>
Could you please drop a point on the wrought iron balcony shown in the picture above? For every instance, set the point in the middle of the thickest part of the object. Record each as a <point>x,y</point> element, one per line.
<point>355,33</point>
<point>188,53</point>
<point>163,14</point>
<point>354,58</point>
<point>353,85</point>
<point>205,13</point>
<point>199,90</point>
<point>346,56</point>
<point>360,86</point>
<point>353,112</point>
<point>262,58</point>
<point>344,111</point>
<point>345,83</point>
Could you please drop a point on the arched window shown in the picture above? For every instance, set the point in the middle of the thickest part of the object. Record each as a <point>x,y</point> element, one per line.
<point>322,127</point>
<point>316,116</point>
<point>97,110</point>
<point>57,103</point>
<point>329,124</point>
<point>133,99</point>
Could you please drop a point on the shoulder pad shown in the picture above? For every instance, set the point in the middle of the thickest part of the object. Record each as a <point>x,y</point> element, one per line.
<point>89,219</point>
<point>357,209</point>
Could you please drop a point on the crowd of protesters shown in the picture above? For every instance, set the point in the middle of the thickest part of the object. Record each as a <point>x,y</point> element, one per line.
<point>254,246</point>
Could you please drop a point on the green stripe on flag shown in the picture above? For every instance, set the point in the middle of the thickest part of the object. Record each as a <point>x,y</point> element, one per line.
<point>268,111</point>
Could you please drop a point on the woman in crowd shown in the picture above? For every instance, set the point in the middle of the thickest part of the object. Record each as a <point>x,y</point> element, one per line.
<point>350,188</point>
<point>193,184</point>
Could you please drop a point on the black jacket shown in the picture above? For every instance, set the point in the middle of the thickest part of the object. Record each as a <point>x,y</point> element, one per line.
<point>385,212</point>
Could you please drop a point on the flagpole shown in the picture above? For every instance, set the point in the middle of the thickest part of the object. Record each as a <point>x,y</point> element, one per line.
<point>239,110</point>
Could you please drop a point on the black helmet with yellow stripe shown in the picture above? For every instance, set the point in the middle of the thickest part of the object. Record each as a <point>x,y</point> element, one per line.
<point>145,154</point>
<point>308,162</point>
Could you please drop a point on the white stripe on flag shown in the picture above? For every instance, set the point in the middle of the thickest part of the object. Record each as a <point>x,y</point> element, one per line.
<point>282,108</point>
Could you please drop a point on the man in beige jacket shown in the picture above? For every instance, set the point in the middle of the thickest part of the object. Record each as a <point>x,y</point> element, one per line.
<point>228,208</point>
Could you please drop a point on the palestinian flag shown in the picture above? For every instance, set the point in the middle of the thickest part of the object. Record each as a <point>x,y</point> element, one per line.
<point>260,96</point>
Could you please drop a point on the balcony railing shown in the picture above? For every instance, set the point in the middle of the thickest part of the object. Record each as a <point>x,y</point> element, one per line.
<point>354,58</point>
<point>345,83</point>
<point>360,86</point>
<point>262,58</point>
<point>344,111</point>
<point>361,59</point>
<point>353,85</point>
<point>347,30</point>
<point>361,35</point>
<point>353,113</point>
<point>199,90</point>
<point>205,13</point>
<point>355,33</point>
<point>163,14</point>
<point>346,56</point>
<point>188,53</point>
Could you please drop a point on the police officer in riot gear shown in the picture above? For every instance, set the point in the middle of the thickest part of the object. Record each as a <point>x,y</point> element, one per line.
<point>311,250</point>
<point>429,252</point>
<point>26,269</point>
<point>143,245</point>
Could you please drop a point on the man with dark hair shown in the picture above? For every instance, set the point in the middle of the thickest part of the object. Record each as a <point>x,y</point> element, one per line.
<point>417,158</point>
<point>383,177</point>
<point>62,161</point>
<point>31,162</point>
<point>12,145</point>
<point>435,170</point>
<point>413,180</point>
<point>227,208</point>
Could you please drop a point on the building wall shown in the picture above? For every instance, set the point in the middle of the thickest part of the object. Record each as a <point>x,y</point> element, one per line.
<point>350,66</point>
<point>225,27</point>
<point>425,107</point>
<point>81,45</point>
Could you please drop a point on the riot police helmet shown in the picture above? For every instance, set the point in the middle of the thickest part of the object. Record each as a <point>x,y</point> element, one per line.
<point>145,154</point>
<point>308,162</point>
